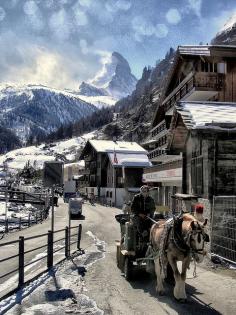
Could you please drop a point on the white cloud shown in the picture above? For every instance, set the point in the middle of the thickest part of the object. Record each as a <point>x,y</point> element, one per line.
<point>117,5</point>
<point>30,8</point>
<point>2,14</point>
<point>143,27</point>
<point>123,5</point>
<point>80,17</point>
<point>85,3</point>
<point>11,3</point>
<point>61,24</point>
<point>173,16</point>
<point>161,30</point>
<point>34,15</point>
<point>48,4</point>
<point>104,17</point>
<point>195,6</point>
<point>84,46</point>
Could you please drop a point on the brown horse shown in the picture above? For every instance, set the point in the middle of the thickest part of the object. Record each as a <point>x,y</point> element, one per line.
<point>182,241</point>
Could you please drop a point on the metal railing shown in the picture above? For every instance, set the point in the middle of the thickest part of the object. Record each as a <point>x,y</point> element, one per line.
<point>223,232</point>
<point>14,224</point>
<point>51,250</point>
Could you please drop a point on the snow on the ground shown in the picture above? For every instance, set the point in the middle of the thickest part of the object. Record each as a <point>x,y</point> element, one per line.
<point>99,101</point>
<point>61,290</point>
<point>37,155</point>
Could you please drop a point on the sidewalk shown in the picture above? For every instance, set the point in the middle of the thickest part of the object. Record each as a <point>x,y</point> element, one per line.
<point>59,291</point>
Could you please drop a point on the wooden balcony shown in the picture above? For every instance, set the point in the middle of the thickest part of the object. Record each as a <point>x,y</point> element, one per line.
<point>162,155</point>
<point>197,86</point>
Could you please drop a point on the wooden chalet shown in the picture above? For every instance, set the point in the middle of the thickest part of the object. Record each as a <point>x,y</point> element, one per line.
<point>198,74</point>
<point>113,169</point>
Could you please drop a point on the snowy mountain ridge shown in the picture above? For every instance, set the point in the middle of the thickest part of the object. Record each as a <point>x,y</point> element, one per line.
<point>227,34</point>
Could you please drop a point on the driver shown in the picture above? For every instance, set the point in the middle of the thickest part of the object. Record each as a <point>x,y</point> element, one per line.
<point>143,206</point>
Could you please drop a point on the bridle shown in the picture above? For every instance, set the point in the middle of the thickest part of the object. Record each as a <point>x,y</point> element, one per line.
<point>189,239</point>
<point>184,244</point>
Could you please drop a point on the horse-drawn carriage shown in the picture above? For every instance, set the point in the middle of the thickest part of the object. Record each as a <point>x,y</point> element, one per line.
<point>178,238</point>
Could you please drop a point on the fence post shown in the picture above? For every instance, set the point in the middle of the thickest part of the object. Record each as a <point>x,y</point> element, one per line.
<point>79,236</point>
<point>69,233</point>
<point>21,261</point>
<point>67,242</point>
<point>50,250</point>
<point>6,226</point>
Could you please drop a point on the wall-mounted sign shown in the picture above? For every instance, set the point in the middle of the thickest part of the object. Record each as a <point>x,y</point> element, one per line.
<point>171,175</point>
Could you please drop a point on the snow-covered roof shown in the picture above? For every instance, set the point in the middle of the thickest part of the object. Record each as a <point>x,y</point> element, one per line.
<point>194,50</point>
<point>129,160</point>
<point>203,50</point>
<point>198,115</point>
<point>118,146</point>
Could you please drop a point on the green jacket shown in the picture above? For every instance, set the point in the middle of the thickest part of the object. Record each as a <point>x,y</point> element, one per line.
<point>143,205</point>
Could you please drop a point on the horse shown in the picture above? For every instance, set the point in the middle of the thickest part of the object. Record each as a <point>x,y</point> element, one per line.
<point>180,239</point>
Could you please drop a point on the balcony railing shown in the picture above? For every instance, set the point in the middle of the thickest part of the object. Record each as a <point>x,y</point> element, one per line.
<point>157,152</point>
<point>206,81</point>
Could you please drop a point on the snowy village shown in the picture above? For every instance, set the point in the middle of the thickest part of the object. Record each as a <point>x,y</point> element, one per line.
<point>117,157</point>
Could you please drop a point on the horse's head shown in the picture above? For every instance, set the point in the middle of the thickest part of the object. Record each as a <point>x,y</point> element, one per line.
<point>196,238</point>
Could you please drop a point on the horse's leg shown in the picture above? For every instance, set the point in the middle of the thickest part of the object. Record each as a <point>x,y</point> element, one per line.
<point>159,288</point>
<point>185,265</point>
<point>179,290</point>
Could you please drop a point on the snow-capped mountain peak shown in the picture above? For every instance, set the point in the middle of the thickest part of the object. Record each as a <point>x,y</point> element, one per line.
<point>114,79</point>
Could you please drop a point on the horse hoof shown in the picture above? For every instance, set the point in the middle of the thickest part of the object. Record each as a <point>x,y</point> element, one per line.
<point>161,292</point>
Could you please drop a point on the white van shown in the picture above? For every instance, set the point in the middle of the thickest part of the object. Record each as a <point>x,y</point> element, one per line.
<point>75,207</point>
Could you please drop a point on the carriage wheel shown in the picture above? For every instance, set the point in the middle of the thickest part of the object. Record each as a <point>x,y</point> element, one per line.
<point>128,269</point>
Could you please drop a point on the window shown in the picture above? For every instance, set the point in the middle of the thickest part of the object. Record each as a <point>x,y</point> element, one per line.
<point>208,67</point>
<point>110,194</point>
<point>197,175</point>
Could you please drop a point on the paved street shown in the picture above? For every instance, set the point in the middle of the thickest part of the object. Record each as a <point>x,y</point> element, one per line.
<point>209,293</point>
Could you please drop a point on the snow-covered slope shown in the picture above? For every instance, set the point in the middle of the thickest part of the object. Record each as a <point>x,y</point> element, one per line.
<point>115,80</point>
<point>64,150</point>
<point>34,108</point>
<point>227,34</point>
<point>99,101</point>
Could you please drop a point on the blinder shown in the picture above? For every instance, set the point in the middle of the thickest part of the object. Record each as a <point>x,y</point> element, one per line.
<point>206,238</point>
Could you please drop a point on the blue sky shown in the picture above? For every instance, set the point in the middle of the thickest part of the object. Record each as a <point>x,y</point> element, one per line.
<point>63,42</point>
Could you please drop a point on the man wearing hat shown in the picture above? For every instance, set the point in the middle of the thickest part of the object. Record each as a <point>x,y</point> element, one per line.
<point>142,207</point>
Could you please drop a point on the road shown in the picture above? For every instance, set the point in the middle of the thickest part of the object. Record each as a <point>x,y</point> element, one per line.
<point>209,293</point>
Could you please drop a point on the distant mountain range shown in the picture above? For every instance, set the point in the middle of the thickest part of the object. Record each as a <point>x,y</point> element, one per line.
<point>31,110</point>
<point>34,109</point>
